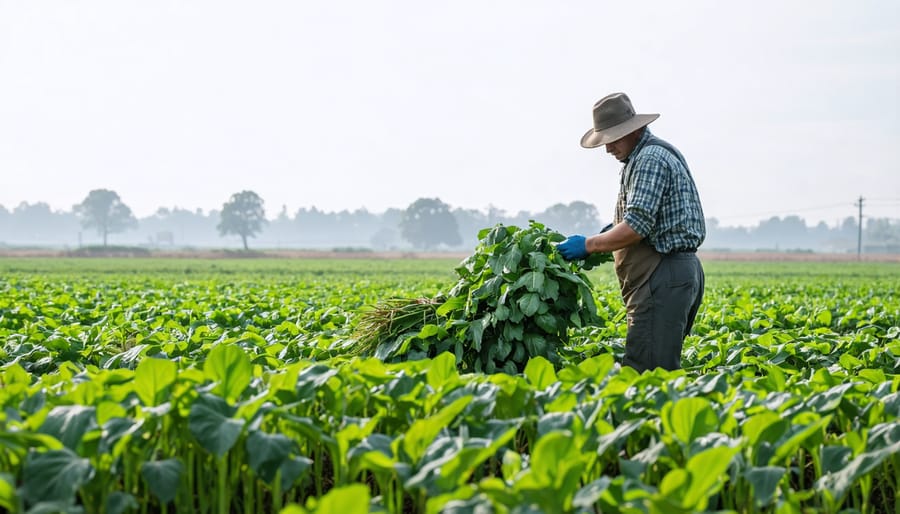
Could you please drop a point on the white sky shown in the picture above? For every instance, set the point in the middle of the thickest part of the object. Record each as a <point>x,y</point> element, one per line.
<point>779,107</point>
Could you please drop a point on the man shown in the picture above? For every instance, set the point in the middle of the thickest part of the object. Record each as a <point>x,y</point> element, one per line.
<point>657,228</point>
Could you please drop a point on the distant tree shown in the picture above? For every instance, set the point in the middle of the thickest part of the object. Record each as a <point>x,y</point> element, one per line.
<point>882,232</point>
<point>103,209</point>
<point>576,218</point>
<point>283,215</point>
<point>849,227</point>
<point>470,222</point>
<point>384,239</point>
<point>782,233</point>
<point>428,222</point>
<point>242,215</point>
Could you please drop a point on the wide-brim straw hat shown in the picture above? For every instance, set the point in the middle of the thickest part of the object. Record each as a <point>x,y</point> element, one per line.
<point>614,118</point>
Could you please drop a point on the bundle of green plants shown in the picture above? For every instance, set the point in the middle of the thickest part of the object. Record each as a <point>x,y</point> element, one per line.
<point>515,298</point>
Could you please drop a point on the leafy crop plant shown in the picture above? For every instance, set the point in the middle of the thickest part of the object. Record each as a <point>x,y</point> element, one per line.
<point>515,298</point>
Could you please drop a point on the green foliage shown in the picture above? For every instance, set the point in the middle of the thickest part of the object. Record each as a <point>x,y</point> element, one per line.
<point>515,298</point>
<point>171,386</point>
<point>163,477</point>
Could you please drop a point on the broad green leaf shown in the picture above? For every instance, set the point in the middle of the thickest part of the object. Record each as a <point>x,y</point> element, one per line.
<point>476,329</point>
<point>312,379</point>
<point>550,291</point>
<point>457,471</point>
<point>153,379</point>
<point>230,368</point>
<point>689,418</point>
<point>617,438</point>
<point>266,452</point>
<point>529,303</point>
<point>54,476</point>
<point>540,372</point>
<point>765,426</point>
<point>429,330</point>
<point>512,465</point>
<point>8,497</point>
<point>454,303</point>
<point>707,470</point>
<point>21,442</point>
<point>764,481</point>
<point>536,344</point>
<point>839,483</point>
<point>798,436</point>
<point>824,317</point>
<point>553,453</point>
<point>163,477</point>
<point>494,235</point>
<point>350,499</point>
<point>588,495</point>
<point>292,469</point>
<point>675,484</point>
<point>461,501</point>
<point>532,280</point>
<point>828,400</point>
<point>598,366</point>
<point>422,432</point>
<point>442,371</point>
<point>69,423</point>
<point>490,288</point>
<point>119,503</point>
<point>834,458</point>
<point>109,410</point>
<point>547,322</point>
<point>510,261</point>
<point>538,261</point>
<point>211,424</point>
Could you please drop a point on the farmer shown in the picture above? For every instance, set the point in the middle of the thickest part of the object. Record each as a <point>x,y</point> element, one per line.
<point>657,228</point>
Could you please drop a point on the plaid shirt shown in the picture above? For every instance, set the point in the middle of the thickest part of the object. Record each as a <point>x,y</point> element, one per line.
<point>658,198</point>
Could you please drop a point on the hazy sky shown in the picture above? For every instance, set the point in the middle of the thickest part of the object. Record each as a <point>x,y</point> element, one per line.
<point>779,107</point>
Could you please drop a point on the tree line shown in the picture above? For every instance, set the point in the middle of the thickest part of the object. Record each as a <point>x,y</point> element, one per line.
<point>425,224</point>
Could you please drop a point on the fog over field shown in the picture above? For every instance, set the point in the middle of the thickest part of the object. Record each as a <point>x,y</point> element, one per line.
<point>780,108</point>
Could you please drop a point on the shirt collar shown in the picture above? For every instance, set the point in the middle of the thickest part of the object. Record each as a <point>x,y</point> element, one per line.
<point>641,142</point>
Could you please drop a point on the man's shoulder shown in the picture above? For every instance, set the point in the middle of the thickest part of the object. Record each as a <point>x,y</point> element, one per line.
<point>652,154</point>
<point>658,151</point>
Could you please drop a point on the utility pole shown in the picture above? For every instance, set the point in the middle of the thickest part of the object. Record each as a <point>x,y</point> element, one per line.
<point>859,231</point>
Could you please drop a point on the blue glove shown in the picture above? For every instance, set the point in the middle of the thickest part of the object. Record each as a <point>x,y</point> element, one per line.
<point>573,248</point>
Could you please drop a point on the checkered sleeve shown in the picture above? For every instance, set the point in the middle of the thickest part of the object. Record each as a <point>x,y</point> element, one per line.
<point>648,183</point>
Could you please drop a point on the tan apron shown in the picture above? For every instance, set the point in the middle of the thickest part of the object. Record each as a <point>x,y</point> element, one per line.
<point>635,263</point>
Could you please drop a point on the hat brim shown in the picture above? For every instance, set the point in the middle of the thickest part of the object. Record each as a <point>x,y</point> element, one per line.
<point>594,138</point>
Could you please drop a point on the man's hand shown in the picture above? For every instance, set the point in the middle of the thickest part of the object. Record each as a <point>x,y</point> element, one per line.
<point>573,248</point>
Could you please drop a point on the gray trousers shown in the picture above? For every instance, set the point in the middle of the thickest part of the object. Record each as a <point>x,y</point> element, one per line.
<point>662,313</point>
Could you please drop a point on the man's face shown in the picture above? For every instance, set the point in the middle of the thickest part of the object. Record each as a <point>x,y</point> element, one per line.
<point>622,148</point>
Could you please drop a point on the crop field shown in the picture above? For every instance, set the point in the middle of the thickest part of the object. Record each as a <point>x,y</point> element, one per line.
<point>220,386</point>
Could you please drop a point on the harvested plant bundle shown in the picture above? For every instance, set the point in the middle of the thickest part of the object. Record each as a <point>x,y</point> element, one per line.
<point>515,298</point>
<point>390,319</point>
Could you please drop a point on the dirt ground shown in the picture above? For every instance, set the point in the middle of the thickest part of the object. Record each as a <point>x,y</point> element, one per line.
<point>326,254</point>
